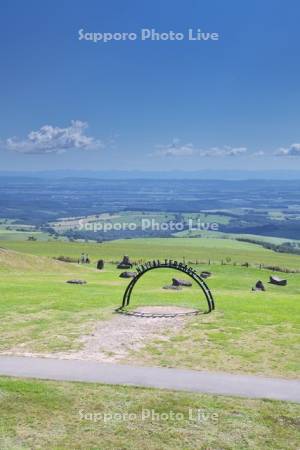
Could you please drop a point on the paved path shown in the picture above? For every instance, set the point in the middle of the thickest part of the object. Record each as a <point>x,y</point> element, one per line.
<point>156,377</point>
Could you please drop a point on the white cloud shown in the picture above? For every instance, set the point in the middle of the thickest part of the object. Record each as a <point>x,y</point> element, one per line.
<point>178,149</point>
<point>258,153</point>
<point>224,151</point>
<point>238,151</point>
<point>51,139</point>
<point>292,150</point>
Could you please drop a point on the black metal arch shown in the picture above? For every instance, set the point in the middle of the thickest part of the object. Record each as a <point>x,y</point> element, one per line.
<point>169,265</point>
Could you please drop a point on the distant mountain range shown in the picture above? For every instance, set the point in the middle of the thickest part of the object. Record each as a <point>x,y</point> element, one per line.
<point>160,175</point>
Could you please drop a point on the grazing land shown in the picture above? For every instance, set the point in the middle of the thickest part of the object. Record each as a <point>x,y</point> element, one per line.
<point>250,332</point>
<point>40,414</point>
<point>197,249</point>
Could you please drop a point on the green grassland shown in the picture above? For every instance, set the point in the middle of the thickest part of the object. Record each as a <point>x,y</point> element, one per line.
<point>253,332</point>
<point>51,415</point>
<point>195,249</point>
<point>221,235</point>
<point>250,332</point>
<point>9,230</point>
<point>8,235</point>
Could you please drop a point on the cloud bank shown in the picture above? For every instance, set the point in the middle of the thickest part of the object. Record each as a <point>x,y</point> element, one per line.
<point>51,139</point>
<point>292,150</point>
<point>178,149</point>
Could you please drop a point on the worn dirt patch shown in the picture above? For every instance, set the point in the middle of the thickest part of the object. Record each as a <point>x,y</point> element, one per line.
<point>113,340</point>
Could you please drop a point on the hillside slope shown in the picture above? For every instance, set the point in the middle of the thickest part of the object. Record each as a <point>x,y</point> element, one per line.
<point>192,250</point>
<point>11,260</point>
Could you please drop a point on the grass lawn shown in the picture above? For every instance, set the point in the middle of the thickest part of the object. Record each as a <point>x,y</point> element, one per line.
<point>250,332</point>
<point>58,416</point>
<point>253,332</point>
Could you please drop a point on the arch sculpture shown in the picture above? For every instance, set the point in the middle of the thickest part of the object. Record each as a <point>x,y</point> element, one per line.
<point>168,264</point>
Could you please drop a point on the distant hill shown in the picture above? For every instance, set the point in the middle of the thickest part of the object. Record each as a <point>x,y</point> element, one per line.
<point>15,261</point>
<point>160,175</point>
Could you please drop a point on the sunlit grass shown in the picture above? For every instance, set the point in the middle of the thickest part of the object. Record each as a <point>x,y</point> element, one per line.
<point>253,332</point>
<point>51,415</point>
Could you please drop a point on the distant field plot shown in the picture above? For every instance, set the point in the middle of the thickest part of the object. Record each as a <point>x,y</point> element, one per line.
<point>8,235</point>
<point>139,218</point>
<point>258,207</point>
<point>10,230</point>
<point>218,234</point>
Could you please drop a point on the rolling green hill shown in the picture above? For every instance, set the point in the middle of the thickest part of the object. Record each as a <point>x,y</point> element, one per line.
<point>196,249</point>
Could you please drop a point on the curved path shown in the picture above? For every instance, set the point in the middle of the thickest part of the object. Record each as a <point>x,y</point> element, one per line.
<point>155,377</point>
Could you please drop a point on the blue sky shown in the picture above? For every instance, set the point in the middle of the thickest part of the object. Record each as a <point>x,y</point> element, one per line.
<point>151,105</point>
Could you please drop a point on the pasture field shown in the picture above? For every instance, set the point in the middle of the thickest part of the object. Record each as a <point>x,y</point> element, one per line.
<point>195,249</point>
<point>139,218</point>
<point>52,415</point>
<point>8,235</point>
<point>221,235</point>
<point>9,230</point>
<point>250,332</point>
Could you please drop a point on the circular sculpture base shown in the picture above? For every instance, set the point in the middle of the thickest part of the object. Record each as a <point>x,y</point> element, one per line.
<point>159,311</point>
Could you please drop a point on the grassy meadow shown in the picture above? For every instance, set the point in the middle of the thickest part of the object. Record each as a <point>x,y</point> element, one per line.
<point>52,415</point>
<point>190,249</point>
<point>250,332</point>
